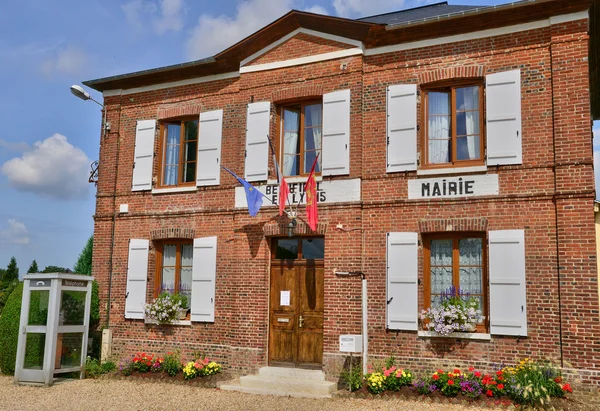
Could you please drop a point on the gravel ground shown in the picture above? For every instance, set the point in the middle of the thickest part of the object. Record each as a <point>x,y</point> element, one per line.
<point>109,394</point>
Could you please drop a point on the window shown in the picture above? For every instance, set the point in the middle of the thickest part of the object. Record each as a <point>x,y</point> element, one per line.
<point>179,147</point>
<point>301,134</point>
<point>305,248</point>
<point>455,260</point>
<point>174,268</point>
<point>453,133</point>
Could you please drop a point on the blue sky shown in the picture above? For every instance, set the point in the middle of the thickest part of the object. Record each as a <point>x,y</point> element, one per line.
<point>49,137</point>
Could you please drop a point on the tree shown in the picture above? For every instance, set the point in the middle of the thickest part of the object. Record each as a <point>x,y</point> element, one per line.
<point>84,262</point>
<point>33,268</point>
<point>55,269</point>
<point>9,331</point>
<point>12,272</point>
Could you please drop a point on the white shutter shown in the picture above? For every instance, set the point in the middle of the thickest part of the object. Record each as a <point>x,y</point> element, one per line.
<point>137,274</point>
<point>401,127</point>
<point>335,159</point>
<point>204,272</point>
<point>503,118</point>
<point>143,156</point>
<point>257,143</point>
<point>208,169</point>
<point>508,309</point>
<point>402,294</point>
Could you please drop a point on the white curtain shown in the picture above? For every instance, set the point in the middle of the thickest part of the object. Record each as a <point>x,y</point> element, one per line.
<point>314,116</point>
<point>471,102</point>
<point>168,271</point>
<point>291,126</point>
<point>172,155</point>
<point>438,126</point>
<point>185,284</point>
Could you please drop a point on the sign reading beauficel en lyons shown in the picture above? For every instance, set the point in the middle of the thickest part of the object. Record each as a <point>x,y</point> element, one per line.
<point>453,187</point>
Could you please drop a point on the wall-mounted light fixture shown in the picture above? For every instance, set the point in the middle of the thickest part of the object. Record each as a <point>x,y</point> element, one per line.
<point>291,227</point>
<point>79,92</point>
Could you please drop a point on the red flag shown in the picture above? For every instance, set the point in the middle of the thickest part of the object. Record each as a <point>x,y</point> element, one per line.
<point>311,198</point>
<point>284,190</point>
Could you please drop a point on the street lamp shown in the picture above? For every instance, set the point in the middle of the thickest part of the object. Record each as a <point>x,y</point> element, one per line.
<point>79,92</point>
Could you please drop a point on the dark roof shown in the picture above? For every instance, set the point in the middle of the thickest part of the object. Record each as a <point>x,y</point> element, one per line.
<point>418,13</point>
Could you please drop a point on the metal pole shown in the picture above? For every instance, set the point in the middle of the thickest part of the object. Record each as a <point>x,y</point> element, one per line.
<point>364,325</point>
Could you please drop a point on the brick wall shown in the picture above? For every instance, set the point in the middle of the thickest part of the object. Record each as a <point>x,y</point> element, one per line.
<point>550,196</point>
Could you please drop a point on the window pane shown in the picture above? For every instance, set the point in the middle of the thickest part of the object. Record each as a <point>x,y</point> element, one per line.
<point>185,283</point>
<point>312,136</point>
<point>191,130</point>
<point>441,279</point>
<point>309,159</point>
<point>471,265</point>
<point>438,127</point>
<point>34,351</point>
<point>467,98</point>
<point>38,307</point>
<point>441,252</point>
<point>470,280</point>
<point>168,271</point>
<point>70,349</point>
<point>171,165</point>
<point>291,142</point>
<point>189,172</point>
<point>313,115</point>
<point>72,308</point>
<point>286,249</point>
<point>313,248</point>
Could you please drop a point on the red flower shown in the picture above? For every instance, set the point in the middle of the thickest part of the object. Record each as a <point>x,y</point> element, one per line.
<point>489,393</point>
<point>558,379</point>
<point>500,386</point>
<point>436,377</point>
<point>450,382</point>
<point>471,369</point>
<point>567,388</point>
<point>499,372</point>
<point>456,371</point>
<point>477,374</point>
<point>440,371</point>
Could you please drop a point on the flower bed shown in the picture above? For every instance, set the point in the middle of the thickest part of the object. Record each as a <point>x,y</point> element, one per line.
<point>528,383</point>
<point>170,368</point>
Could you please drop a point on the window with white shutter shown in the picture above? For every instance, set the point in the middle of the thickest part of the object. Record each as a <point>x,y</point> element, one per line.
<point>209,148</point>
<point>143,155</point>
<point>401,290</point>
<point>401,127</point>
<point>503,118</point>
<point>137,274</point>
<point>508,305</point>
<point>204,271</point>
<point>257,143</point>
<point>336,133</point>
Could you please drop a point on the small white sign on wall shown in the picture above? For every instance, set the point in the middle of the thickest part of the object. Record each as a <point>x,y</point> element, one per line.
<point>284,298</point>
<point>453,187</point>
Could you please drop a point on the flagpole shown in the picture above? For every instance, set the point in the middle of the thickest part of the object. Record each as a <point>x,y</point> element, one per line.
<point>278,170</point>
<point>313,169</point>
<point>263,194</point>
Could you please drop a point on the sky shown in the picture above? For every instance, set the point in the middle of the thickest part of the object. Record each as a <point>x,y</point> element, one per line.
<point>49,137</point>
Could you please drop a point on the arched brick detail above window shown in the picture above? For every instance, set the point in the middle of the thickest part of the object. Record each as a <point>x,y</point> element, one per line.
<point>297,93</point>
<point>179,111</point>
<point>453,224</point>
<point>450,73</point>
<point>279,228</point>
<point>172,232</point>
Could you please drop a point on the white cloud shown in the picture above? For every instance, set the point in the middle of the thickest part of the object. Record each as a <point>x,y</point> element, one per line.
<point>171,16</point>
<point>15,233</point>
<point>52,168</point>
<point>163,15</point>
<point>68,61</point>
<point>213,34</point>
<point>13,146</point>
<point>317,10</point>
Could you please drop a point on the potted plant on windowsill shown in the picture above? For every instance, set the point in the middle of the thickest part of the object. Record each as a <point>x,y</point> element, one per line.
<point>457,312</point>
<point>166,308</point>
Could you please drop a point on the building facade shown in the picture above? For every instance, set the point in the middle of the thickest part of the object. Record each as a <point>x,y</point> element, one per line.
<point>454,149</point>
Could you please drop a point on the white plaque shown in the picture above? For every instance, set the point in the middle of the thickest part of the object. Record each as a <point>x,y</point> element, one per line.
<point>453,187</point>
<point>284,299</point>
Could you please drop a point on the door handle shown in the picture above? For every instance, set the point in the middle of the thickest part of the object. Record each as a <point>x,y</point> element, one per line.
<point>301,322</point>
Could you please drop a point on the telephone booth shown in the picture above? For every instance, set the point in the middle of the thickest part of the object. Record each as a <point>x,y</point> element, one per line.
<point>55,315</point>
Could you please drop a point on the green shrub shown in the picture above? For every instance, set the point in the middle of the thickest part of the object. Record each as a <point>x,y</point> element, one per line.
<point>353,378</point>
<point>9,330</point>
<point>172,363</point>
<point>93,368</point>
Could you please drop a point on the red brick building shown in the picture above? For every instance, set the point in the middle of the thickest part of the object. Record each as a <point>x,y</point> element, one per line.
<point>455,149</point>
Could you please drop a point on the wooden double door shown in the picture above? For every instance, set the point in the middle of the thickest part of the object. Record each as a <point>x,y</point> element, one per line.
<point>296,303</point>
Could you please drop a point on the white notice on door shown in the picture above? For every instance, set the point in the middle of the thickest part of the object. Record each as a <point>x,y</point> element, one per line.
<point>285,298</point>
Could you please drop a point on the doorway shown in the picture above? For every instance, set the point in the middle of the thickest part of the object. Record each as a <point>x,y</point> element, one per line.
<point>296,302</point>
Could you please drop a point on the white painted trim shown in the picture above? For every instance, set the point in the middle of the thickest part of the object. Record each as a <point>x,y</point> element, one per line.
<point>452,170</point>
<point>174,190</point>
<point>463,336</point>
<point>160,86</point>
<point>285,38</point>
<point>176,322</point>
<point>477,34</point>
<point>302,60</point>
<point>290,180</point>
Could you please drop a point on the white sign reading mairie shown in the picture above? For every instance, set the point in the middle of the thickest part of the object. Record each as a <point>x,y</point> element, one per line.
<point>453,187</point>
<point>330,191</point>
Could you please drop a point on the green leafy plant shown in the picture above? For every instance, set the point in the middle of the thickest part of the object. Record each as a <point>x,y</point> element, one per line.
<point>533,383</point>
<point>200,368</point>
<point>9,330</point>
<point>375,383</point>
<point>93,368</point>
<point>172,363</point>
<point>353,377</point>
